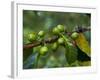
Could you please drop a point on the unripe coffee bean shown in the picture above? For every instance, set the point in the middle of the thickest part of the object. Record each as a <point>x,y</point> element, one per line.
<point>75,35</point>
<point>61,40</point>
<point>43,50</point>
<point>56,31</point>
<point>61,28</point>
<point>41,33</point>
<point>55,46</point>
<point>32,37</point>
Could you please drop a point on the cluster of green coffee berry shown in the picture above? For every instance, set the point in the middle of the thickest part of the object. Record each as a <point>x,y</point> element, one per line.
<point>57,31</point>
<point>63,37</point>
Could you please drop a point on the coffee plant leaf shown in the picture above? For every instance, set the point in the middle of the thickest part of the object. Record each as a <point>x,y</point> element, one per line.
<point>83,44</point>
<point>82,56</point>
<point>71,54</point>
<point>85,63</point>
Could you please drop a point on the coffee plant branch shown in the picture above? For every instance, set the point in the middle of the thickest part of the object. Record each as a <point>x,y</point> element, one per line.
<point>53,39</point>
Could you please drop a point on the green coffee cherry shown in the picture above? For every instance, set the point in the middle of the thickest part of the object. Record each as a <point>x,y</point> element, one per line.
<point>41,33</point>
<point>55,46</point>
<point>56,30</point>
<point>69,44</point>
<point>32,37</point>
<point>61,28</point>
<point>43,50</point>
<point>61,40</point>
<point>74,35</point>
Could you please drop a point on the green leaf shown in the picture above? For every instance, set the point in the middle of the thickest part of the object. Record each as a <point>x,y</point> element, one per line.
<point>85,63</point>
<point>71,54</point>
<point>83,44</point>
<point>71,50</point>
<point>82,56</point>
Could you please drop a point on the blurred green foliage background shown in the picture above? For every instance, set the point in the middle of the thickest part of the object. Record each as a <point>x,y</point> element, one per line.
<point>34,21</point>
